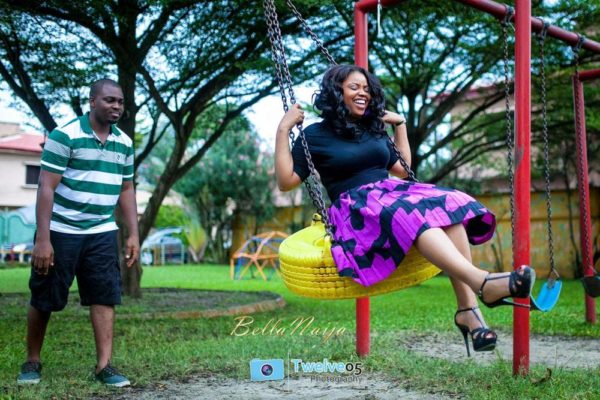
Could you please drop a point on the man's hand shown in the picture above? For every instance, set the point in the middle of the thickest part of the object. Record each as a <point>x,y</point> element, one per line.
<point>132,250</point>
<point>42,257</point>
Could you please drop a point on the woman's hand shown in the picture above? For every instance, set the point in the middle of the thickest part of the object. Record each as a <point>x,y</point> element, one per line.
<point>287,179</point>
<point>393,118</point>
<point>293,117</point>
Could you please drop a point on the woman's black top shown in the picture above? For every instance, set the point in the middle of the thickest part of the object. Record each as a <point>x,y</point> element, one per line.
<point>343,163</point>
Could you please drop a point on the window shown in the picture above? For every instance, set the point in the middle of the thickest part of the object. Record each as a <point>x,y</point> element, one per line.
<point>32,174</point>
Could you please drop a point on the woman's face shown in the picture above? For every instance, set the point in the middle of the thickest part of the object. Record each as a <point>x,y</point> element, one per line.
<point>356,94</point>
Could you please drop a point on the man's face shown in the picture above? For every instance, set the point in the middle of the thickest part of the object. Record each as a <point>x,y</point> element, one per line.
<point>107,106</point>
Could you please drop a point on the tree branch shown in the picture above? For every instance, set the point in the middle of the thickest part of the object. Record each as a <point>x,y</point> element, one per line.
<point>25,90</point>
<point>218,132</point>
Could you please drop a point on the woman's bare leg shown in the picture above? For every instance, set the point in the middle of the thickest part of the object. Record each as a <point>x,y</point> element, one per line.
<point>465,297</point>
<point>437,247</point>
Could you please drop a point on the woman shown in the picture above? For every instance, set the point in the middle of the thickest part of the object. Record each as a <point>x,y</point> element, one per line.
<point>376,219</point>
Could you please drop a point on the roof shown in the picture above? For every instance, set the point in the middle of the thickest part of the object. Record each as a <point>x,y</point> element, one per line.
<point>22,142</point>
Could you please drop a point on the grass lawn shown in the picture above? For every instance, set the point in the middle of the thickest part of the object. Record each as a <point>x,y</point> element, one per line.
<point>149,350</point>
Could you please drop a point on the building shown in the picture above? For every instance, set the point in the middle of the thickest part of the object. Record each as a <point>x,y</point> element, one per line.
<point>20,153</point>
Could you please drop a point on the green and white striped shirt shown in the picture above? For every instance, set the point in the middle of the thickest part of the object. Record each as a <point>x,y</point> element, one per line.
<point>92,174</point>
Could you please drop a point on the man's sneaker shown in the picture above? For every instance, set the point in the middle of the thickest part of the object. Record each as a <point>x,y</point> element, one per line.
<point>110,376</point>
<point>31,373</point>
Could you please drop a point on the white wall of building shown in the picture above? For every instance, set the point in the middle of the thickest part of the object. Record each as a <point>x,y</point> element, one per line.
<point>14,192</point>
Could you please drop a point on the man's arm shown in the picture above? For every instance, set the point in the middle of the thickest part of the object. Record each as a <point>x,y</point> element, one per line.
<point>42,257</point>
<point>129,211</point>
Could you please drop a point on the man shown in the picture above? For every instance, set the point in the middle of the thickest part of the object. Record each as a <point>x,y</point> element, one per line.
<point>86,169</point>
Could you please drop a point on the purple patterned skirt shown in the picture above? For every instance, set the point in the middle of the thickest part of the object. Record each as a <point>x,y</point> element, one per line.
<point>376,224</point>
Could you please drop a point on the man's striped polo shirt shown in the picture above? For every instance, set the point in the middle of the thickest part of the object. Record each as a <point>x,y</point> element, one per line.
<point>92,174</point>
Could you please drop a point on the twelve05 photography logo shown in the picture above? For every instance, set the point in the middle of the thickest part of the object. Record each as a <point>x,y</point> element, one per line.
<point>273,369</point>
<point>266,370</point>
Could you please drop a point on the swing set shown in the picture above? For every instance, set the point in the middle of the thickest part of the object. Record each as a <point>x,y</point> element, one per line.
<point>306,264</point>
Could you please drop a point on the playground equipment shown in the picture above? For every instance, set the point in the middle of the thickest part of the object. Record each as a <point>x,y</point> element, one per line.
<point>308,269</point>
<point>307,266</point>
<point>591,279</point>
<point>259,251</point>
<point>550,292</point>
<point>524,24</point>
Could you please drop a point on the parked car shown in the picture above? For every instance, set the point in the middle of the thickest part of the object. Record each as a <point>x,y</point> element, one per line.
<point>163,247</point>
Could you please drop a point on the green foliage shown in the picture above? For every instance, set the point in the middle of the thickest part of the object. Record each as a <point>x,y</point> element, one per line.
<point>560,121</point>
<point>433,56</point>
<point>232,178</point>
<point>170,215</point>
<point>56,60</point>
<point>174,60</point>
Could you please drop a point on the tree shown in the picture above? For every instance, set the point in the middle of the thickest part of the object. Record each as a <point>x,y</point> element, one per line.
<point>233,178</point>
<point>170,215</point>
<point>173,59</point>
<point>433,56</point>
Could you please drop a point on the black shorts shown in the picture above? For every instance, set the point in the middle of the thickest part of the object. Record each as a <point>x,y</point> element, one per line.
<point>93,258</point>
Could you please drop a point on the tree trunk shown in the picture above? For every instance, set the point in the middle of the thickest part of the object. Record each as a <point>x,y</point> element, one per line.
<point>130,277</point>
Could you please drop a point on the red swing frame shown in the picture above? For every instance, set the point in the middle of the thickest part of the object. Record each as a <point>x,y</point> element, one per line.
<point>585,219</point>
<point>524,24</point>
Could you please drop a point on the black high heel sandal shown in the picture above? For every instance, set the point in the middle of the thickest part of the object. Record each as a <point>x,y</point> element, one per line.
<point>479,336</point>
<point>519,285</point>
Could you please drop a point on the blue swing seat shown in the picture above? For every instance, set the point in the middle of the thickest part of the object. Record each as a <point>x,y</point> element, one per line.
<point>548,296</point>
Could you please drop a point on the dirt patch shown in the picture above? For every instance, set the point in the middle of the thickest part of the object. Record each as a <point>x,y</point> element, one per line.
<point>369,387</point>
<point>171,302</point>
<point>549,351</point>
<point>190,303</point>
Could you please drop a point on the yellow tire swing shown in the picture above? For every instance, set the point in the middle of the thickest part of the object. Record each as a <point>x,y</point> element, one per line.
<point>306,263</point>
<point>308,269</point>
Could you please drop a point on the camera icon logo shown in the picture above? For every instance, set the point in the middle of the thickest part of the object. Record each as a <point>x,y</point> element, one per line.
<point>266,370</point>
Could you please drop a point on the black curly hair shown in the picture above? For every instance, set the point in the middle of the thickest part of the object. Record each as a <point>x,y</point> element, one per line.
<point>329,100</point>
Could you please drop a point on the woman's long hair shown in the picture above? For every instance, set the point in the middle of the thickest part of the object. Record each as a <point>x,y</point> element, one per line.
<point>330,102</point>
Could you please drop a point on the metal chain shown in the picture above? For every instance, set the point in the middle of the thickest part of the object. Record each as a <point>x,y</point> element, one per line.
<point>578,130</point>
<point>310,32</point>
<point>284,79</point>
<point>411,174</point>
<point>541,41</point>
<point>319,44</point>
<point>509,132</point>
<point>277,55</point>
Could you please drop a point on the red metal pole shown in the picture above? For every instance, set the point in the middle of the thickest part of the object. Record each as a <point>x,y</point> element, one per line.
<point>499,10</point>
<point>588,76</point>
<point>585,222</point>
<point>521,240</point>
<point>363,305</point>
<point>526,24</point>
<point>369,5</point>
<point>361,40</point>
